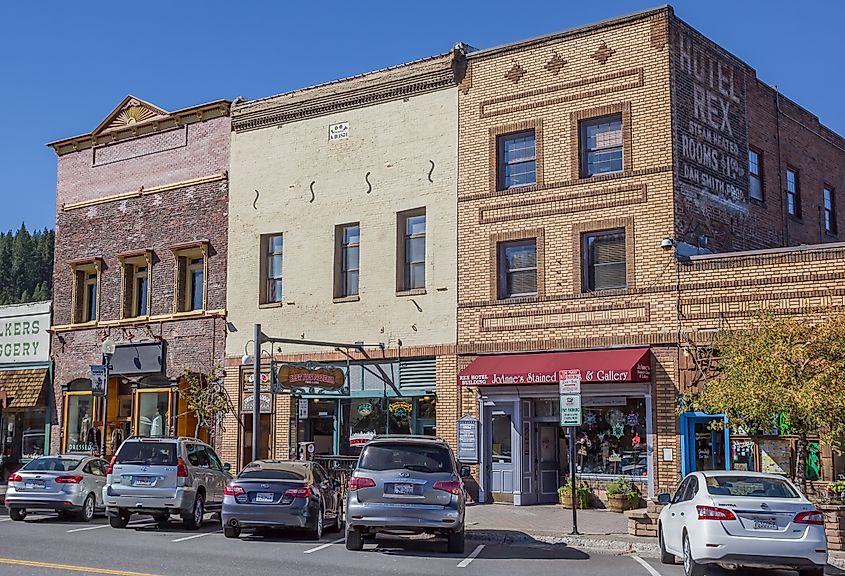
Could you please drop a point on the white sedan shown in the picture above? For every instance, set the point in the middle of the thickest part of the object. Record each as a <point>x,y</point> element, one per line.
<point>745,519</point>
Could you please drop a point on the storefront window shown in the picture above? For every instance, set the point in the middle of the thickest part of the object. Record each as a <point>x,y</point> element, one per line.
<point>79,422</point>
<point>366,420</point>
<point>399,416</point>
<point>153,414</point>
<point>743,455</point>
<point>501,438</point>
<point>32,437</point>
<point>612,440</point>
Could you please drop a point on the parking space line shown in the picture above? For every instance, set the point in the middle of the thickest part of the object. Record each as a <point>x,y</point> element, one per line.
<point>472,556</point>
<point>646,565</point>
<point>135,524</point>
<point>196,536</point>
<point>324,546</point>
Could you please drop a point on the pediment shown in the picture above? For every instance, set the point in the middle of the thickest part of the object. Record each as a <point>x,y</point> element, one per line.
<point>131,112</point>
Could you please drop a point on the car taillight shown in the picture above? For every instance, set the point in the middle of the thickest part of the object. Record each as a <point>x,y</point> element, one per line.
<point>714,513</point>
<point>68,479</point>
<point>181,468</point>
<point>110,467</point>
<point>298,493</point>
<point>233,490</point>
<point>450,486</point>
<point>15,478</point>
<point>358,483</point>
<point>810,517</point>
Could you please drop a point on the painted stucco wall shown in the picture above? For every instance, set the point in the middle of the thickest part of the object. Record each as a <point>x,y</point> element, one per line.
<point>396,142</point>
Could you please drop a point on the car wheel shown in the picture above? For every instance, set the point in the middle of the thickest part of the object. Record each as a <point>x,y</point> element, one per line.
<point>231,531</point>
<point>819,571</point>
<point>88,508</point>
<point>119,520</point>
<point>194,520</point>
<point>665,557</point>
<point>17,514</point>
<point>317,531</point>
<point>354,539</point>
<point>455,542</point>
<point>691,567</point>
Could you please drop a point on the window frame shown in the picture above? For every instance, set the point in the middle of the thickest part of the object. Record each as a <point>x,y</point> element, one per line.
<point>501,164</point>
<point>503,272</point>
<point>193,267</point>
<point>185,256</point>
<point>795,194</point>
<point>829,212</point>
<point>267,255</point>
<point>86,273</point>
<point>587,268</point>
<point>584,151</point>
<point>130,264</point>
<point>759,175</point>
<point>340,266</point>
<point>403,238</point>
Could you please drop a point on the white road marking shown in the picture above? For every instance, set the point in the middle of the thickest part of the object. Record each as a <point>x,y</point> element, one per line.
<point>647,566</point>
<point>324,546</point>
<point>196,536</point>
<point>135,524</point>
<point>466,561</point>
<point>33,517</point>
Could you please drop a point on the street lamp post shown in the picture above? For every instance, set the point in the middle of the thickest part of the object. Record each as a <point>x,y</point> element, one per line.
<point>108,351</point>
<point>256,390</point>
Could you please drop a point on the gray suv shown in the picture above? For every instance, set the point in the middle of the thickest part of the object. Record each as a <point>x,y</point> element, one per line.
<point>164,476</point>
<point>406,484</point>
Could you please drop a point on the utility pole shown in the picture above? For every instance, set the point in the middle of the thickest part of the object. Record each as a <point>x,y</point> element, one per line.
<point>256,390</point>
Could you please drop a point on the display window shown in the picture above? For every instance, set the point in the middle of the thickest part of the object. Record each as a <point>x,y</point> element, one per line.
<point>613,439</point>
<point>153,413</point>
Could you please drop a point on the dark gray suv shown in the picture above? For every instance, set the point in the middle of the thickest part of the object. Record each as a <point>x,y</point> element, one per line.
<point>406,484</point>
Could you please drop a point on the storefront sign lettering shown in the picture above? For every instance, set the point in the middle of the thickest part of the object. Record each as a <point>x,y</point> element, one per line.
<point>290,376</point>
<point>265,403</point>
<point>24,336</point>
<point>361,438</point>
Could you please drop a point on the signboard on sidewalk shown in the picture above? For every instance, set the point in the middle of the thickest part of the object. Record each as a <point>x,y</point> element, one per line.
<point>570,410</point>
<point>468,440</point>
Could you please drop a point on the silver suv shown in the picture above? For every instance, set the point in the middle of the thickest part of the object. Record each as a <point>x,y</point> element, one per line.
<point>406,484</point>
<point>164,476</point>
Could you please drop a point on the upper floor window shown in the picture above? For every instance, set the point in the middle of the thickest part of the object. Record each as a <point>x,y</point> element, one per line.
<point>142,278</point>
<point>191,268</point>
<point>89,306</point>
<point>517,160</point>
<point>603,256</point>
<point>86,291</point>
<point>195,282</point>
<point>829,210</point>
<point>755,174</point>
<point>412,230</point>
<point>271,265</point>
<point>793,193</point>
<point>137,268</point>
<point>517,268</point>
<point>601,145</point>
<point>347,252</point>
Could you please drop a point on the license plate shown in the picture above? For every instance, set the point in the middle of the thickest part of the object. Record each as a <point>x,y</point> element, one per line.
<point>32,484</point>
<point>143,481</point>
<point>403,488</point>
<point>765,525</point>
<point>264,497</point>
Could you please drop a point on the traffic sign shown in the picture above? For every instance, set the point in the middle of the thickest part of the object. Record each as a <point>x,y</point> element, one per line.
<point>570,409</point>
<point>570,381</point>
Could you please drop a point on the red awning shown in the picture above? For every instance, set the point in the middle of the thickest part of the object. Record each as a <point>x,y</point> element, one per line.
<point>623,365</point>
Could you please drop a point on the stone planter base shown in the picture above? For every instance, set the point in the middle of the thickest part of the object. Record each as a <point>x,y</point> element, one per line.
<point>834,525</point>
<point>643,522</point>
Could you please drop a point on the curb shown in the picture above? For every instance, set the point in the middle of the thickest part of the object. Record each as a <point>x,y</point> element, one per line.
<point>594,544</point>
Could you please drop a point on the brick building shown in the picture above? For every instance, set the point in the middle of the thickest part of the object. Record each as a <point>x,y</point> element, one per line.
<point>140,258</point>
<point>342,229</point>
<point>626,189</point>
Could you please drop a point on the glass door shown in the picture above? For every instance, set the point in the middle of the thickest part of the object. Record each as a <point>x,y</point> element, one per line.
<point>705,442</point>
<point>152,412</point>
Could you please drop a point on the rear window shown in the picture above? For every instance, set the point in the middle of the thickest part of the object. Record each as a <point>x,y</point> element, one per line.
<point>147,454</point>
<point>750,487</point>
<point>417,457</point>
<point>270,474</point>
<point>55,464</point>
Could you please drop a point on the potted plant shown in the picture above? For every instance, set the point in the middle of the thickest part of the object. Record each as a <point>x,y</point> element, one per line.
<point>582,495</point>
<point>622,495</point>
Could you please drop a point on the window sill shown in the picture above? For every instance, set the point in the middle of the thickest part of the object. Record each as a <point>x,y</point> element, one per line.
<point>343,299</point>
<point>90,324</point>
<point>414,292</point>
<point>831,235</point>
<point>795,218</point>
<point>267,305</point>
<point>523,299</point>
<point>189,313</point>
<point>756,202</point>
<point>619,291</point>
<point>521,188</point>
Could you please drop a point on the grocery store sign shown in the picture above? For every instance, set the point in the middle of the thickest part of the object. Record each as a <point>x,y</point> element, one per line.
<point>24,335</point>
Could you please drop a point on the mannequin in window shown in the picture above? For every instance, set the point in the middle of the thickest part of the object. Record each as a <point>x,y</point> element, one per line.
<point>84,425</point>
<point>94,438</point>
<point>116,437</point>
<point>157,424</point>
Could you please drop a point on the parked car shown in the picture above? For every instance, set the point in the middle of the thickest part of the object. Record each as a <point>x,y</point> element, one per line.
<point>745,519</point>
<point>282,494</point>
<point>406,484</point>
<point>164,476</point>
<point>68,484</point>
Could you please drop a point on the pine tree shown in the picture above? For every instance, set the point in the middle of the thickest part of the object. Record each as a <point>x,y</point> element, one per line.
<point>26,265</point>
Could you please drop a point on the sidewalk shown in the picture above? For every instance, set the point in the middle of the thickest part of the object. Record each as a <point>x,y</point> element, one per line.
<point>601,530</point>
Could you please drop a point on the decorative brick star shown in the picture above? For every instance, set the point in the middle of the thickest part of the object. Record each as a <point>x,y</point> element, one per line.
<point>603,53</point>
<point>516,73</point>
<point>555,64</point>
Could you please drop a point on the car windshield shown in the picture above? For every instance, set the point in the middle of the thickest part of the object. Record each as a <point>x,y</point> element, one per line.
<point>416,457</point>
<point>55,464</point>
<point>147,453</point>
<point>750,487</point>
<point>251,472</point>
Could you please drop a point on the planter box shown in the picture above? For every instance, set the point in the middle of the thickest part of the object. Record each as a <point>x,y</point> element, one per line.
<point>834,525</point>
<point>620,503</point>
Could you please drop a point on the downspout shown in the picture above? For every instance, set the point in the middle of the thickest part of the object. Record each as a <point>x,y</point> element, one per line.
<point>782,194</point>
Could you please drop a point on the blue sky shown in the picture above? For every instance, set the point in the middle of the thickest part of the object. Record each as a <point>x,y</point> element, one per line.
<point>65,65</point>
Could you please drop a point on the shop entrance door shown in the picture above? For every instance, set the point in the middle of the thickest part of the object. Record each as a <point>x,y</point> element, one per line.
<point>547,462</point>
<point>502,468</point>
<point>703,445</point>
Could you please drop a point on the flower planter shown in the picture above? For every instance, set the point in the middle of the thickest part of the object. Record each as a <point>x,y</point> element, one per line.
<point>619,502</point>
<point>565,499</point>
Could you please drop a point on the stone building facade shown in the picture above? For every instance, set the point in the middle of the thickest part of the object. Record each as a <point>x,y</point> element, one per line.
<point>140,259</point>
<point>342,229</point>
<point>608,215</point>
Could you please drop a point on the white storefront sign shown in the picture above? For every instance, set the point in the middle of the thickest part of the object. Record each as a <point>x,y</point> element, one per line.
<point>24,335</point>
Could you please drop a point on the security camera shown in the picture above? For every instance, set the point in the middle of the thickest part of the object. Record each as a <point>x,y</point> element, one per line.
<point>667,243</point>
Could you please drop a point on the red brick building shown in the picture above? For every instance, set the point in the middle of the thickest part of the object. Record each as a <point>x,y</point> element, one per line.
<point>140,258</point>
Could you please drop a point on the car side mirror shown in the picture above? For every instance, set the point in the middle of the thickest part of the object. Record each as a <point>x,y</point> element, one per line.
<point>464,471</point>
<point>664,498</point>
<point>227,467</point>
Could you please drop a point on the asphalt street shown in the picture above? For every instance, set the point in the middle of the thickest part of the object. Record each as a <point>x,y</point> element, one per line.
<point>45,545</point>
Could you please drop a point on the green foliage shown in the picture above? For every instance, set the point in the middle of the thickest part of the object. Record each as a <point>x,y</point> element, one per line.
<point>582,495</point>
<point>26,266</point>
<point>206,398</point>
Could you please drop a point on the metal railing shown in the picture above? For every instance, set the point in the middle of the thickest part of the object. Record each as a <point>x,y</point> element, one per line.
<point>339,467</point>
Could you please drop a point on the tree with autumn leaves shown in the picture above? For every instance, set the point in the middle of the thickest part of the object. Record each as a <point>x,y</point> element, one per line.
<point>782,369</point>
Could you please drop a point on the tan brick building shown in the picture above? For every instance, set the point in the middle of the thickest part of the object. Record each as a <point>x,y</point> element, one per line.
<point>608,177</point>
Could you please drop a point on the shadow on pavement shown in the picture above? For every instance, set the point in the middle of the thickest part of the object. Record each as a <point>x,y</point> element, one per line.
<point>525,549</point>
<point>285,535</point>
